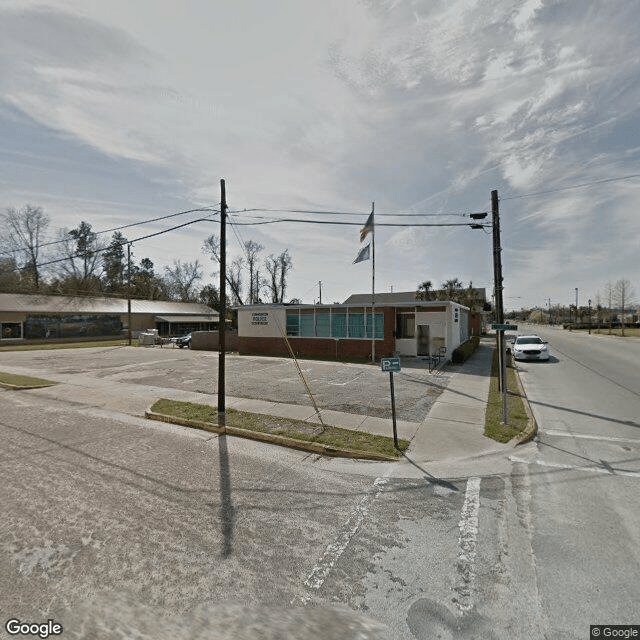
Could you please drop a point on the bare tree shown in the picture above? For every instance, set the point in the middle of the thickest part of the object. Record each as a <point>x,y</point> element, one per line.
<point>234,274</point>
<point>278,268</point>
<point>181,280</point>
<point>608,292</point>
<point>622,295</point>
<point>22,234</point>
<point>252,252</point>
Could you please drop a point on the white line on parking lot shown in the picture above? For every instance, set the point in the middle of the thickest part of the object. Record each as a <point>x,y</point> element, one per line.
<point>333,552</point>
<point>467,542</point>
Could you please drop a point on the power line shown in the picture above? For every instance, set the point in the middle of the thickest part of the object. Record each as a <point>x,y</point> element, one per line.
<point>103,249</point>
<point>125,226</point>
<point>353,213</point>
<point>575,186</point>
<point>359,224</point>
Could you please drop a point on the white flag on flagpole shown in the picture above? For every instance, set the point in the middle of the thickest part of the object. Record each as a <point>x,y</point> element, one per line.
<point>363,254</point>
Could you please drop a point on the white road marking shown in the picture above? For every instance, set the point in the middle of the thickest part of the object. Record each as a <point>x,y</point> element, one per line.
<point>552,432</point>
<point>570,467</point>
<point>333,552</point>
<point>467,542</point>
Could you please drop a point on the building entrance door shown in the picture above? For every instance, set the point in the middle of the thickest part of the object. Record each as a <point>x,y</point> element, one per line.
<point>423,340</point>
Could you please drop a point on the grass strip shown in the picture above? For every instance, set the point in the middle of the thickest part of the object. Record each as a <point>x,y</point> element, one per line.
<point>629,332</point>
<point>517,414</point>
<point>68,345</point>
<point>15,380</point>
<point>300,430</point>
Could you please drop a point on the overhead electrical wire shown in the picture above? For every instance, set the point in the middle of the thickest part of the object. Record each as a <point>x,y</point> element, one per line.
<point>352,213</point>
<point>575,186</point>
<point>125,226</point>
<point>263,222</point>
<point>103,249</point>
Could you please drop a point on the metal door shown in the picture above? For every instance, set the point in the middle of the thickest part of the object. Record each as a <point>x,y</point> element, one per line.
<point>423,340</point>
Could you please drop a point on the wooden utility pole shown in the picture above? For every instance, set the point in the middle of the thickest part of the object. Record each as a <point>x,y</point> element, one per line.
<point>373,285</point>
<point>223,304</point>
<point>129,291</point>
<point>497,275</point>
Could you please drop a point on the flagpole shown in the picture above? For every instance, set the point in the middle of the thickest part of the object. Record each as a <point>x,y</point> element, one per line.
<point>373,284</point>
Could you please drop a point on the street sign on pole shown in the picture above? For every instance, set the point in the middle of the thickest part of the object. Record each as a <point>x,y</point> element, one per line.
<point>390,364</point>
<point>504,327</point>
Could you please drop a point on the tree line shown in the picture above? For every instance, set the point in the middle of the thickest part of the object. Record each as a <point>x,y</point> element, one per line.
<point>80,263</point>
<point>455,291</point>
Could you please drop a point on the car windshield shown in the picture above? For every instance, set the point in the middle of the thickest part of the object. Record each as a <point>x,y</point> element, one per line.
<point>529,341</point>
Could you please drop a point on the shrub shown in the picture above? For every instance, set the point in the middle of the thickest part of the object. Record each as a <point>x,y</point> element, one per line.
<point>464,351</point>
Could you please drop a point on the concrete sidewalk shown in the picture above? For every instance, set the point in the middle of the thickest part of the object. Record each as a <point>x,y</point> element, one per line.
<point>452,429</point>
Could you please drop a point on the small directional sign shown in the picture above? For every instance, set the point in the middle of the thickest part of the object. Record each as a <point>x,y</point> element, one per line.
<point>390,364</point>
<point>505,327</point>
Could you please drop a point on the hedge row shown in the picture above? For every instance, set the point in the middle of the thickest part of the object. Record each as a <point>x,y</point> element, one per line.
<point>464,351</point>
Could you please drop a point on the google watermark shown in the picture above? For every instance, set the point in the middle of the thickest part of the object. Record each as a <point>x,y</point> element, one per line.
<point>15,627</point>
<point>598,631</point>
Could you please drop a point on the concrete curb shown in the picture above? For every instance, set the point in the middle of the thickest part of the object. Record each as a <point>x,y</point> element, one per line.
<point>531,430</point>
<point>16,387</point>
<point>284,441</point>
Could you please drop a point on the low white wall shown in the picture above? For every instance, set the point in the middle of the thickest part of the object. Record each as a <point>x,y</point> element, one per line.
<point>255,322</point>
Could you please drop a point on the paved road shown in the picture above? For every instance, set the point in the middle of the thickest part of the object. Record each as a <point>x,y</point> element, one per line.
<point>176,521</point>
<point>584,479</point>
<point>182,523</point>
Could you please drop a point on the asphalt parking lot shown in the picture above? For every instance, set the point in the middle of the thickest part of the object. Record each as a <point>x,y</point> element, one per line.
<point>352,388</point>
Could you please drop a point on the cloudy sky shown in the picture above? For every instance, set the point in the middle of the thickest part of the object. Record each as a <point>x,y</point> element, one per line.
<point>119,111</point>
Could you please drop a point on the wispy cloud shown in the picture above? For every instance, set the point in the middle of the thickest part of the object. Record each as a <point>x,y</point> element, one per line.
<point>414,104</point>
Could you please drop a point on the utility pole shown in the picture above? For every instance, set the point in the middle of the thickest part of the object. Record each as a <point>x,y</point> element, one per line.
<point>129,291</point>
<point>223,304</point>
<point>373,287</point>
<point>549,301</point>
<point>320,287</point>
<point>589,316</point>
<point>576,305</point>
<point>497,275</point>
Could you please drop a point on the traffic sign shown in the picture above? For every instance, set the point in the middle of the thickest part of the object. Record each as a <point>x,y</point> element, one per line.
<point>505,327</point>
<point>390,364</point>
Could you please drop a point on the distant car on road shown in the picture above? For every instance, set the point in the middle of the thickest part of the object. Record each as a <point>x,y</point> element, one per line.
<point>183,341</point>
<point>530,348</point>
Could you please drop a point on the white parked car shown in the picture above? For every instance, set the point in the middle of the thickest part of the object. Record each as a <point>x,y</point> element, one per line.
<point>530,348</point>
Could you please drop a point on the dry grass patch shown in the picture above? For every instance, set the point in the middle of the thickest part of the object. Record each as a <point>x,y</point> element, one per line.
<point>517,415</point>
<point>301,430</point>
<point>13,380</point>
<point>68,345</point>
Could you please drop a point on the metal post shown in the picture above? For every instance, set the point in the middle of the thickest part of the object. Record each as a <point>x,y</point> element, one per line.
<point>503,373</point>
<point>393,411</point>
<point>589,316</point>
<point>223,304</point>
